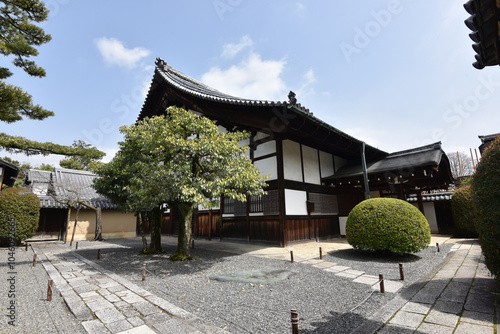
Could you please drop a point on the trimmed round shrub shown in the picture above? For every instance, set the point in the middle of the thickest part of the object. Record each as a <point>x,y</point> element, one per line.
<point>19,213</point>
<point>463,211</point>
<point>387,224</point>
<point>486,194</point>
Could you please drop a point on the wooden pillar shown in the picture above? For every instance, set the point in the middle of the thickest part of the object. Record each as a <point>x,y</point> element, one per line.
<point>248,219</point>
<point>281,192</point>
<point>400,191</point>
<point>420,202</point>
<point>210,224</point>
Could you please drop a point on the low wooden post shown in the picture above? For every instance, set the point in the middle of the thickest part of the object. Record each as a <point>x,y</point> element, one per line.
<point>34,260</point>
<point>26,247</point>
<point>76,246</point>
<point>381,278</point>
<point>291,256</point>
<point>144,272</point>
<point>295,321</point>
<point>320,254</point>
<point>437,245</point>
<point>49,290</point>
<point>192,244</point>
<point>401,273</point>
<point>98,254</point>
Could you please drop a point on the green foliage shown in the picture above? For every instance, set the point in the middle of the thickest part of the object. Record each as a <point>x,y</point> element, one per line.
<point>21,207</point>
<point>387,224</point>
<point>181,159</point>
<point>16,144</point>
<point>464,215</point>
<point>19,38</point>
<point>486,194</point>
<point>80,162</point>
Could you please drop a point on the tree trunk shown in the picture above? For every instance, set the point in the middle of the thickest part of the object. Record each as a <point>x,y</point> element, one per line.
<point>141,230</point>
<point>98,225</point>
<point>155,247</point>
<point>76,220</point>
<point>66,225</point>
<point>185,215</point>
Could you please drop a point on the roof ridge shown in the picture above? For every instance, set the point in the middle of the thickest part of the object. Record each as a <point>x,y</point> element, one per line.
<point>436,145</point>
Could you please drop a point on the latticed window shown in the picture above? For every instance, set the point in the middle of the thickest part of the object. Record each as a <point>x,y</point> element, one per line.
<point>256,204</point>
<point>324,204</point>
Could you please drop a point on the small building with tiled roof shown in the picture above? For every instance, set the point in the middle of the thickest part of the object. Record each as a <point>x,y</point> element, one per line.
<point>316,170</point>
<point>486,141</point>
<point>8,174</point>
<point>59,186</point>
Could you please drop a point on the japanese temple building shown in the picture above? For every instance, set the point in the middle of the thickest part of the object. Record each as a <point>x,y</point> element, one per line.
<point>316,171</point>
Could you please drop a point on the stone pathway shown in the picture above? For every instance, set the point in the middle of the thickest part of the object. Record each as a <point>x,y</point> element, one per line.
<point>357,275</point>
<point>107,303</point>
<point>459,299</point>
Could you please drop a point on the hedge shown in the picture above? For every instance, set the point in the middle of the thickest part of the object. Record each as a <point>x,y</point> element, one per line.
<point>486,194</point>
<point>19,213</point>
<point>463,211</point>
<point>387,224</point>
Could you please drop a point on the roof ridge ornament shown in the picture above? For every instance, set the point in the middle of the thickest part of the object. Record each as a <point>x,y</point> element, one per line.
<point>160,62</point>
<point>291,98</point>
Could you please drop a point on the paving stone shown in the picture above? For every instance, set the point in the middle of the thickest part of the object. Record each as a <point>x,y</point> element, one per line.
<point>86,288</point>
<point>449,307</point>
<point>366,279</point>
<point>119,326</point>
<point>79,310</point>
<point>354,272</point>
<point>390,286</point>
<point>129,312</point>
<point>407,319</point>
<point>347,275</point>
<point>95,327</point>
<point>416,307</point>
<point>112,286</point>
<point>395,329</point>
<point>441,318</point>
<point>169,308</point>
<point>109,315</point>
<point>99,305</point>
<point>139,330</point>
<point>112,298</point>
<point>146,308</point>
<point>477,318</point>
<point>339,268</point>
<point>103,292</point>
<point>175,326</point>
<point>466,328</point>
<point>132,298</point>
<point>325,264</point>
<point>135,321</point>
<point>480,303</point>
<point>77,281</point>
<point>426,296</point>
<point>122,304</point>
<point>434,329</point>
<point>156,318</point>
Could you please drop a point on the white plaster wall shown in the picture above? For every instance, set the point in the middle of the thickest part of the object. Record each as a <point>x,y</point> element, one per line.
<point>295,202</point>
<point>268,166</point>
<point>311,165</point>
<point>430,214</point>
<point>265,148</point>
<point>291,161</point>
<point>342,223</point>
<point>326,163</point>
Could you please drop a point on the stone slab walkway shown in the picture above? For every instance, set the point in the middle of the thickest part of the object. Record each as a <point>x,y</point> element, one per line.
<point>459,299</point>
<point>107,303</point>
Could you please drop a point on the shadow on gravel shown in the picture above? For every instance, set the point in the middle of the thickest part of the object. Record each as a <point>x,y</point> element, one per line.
<point>370,256</point>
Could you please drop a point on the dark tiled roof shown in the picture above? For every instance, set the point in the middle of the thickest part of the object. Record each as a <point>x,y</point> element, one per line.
<point>429,155</point>
<point>195,88</point>
<point>68,185</point>
<point>488,138</point>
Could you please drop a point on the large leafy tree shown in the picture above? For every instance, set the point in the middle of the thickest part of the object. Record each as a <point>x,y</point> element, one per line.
<point>183,160</point>
<point>19,38</point>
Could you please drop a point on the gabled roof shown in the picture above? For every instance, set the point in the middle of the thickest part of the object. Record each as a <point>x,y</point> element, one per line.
<point>486,141</point>
<point>171,87</point>
<point>10,173</point>
<point>425,166</point>
<point>66,185</point>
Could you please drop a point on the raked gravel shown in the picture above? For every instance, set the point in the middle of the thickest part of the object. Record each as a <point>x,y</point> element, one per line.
<point>326,303</point>
<point>26,287</point>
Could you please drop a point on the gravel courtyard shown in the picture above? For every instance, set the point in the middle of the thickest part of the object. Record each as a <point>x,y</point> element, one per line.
<point>326,303</point>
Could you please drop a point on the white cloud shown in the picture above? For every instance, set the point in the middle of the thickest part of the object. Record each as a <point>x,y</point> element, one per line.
<point>115,53</point>
<point>252,78</point>
<point>300,6</point>
<point>231,50</point>
<point>305,88</point>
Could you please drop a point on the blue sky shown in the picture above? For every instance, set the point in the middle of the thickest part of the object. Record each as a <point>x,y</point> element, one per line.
<point>396,74</point>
